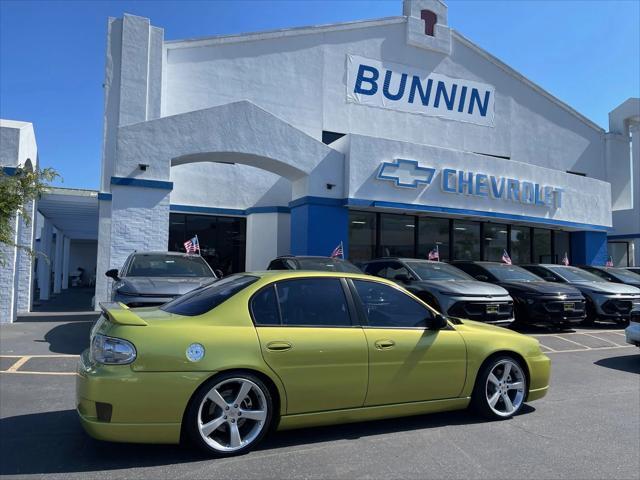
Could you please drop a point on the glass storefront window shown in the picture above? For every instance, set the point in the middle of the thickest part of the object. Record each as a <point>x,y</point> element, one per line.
<point>542,245</point>
<point>222,239</point>
<point>433,232</point>
<point>397,235</point>
<point>520,244</point>
<point>561,245</point>
<point>362,236</point>
<point>495,241</point>
<point>466,240</point>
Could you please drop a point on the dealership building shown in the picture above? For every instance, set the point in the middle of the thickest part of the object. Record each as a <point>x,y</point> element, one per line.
<point>391,136</point>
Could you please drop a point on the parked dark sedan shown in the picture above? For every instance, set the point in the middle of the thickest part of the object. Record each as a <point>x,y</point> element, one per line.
<point>446,288</point>
<point>152,278</point>
<point>322,264</point>
<point>536,301</point>
<point>605,300</point>
<point>614,274</point>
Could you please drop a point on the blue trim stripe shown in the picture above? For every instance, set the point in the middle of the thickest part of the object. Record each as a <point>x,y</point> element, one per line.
<point>621,237</point>
<point>227,211</point>
<point>355,202</point>
<point>330,202</point>
<point>141,182</point>
<point>10,171</point>
<point>104,196</point>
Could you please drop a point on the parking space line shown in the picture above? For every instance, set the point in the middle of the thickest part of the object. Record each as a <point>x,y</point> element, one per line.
<point>585,347</point>
<point>575,333</point>
<point>603,339</point>
<point>551,350</point>
<point>16,365</point>
<point>592,349</point>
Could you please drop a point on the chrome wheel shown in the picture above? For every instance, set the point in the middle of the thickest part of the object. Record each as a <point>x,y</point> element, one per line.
<point>505,388</point>
<point>232,415</point>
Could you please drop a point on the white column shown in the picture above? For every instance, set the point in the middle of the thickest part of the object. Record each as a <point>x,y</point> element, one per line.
<point>65,262</point>
<point>57,268</point>
<point>268,236</point>
<point>44,260</point>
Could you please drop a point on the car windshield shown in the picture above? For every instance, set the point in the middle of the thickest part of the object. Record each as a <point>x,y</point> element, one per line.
<point>158,265</point>
<point>624,275</point>
<point>575,274</point>
<point>511,273</point>
<point>327,265</point>
<point>437,271</point>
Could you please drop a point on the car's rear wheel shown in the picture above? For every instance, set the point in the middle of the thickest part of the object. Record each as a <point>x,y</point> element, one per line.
<point>500,388</point>
<point>230,414</point>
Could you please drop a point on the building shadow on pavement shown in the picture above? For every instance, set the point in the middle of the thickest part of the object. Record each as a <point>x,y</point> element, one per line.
<point>54,442</point>
<point>625,363</point>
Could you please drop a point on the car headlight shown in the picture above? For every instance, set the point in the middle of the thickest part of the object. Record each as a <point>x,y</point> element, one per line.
<point>112,351</point>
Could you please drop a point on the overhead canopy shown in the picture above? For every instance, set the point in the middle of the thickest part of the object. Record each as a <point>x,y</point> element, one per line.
<point>73,211</point>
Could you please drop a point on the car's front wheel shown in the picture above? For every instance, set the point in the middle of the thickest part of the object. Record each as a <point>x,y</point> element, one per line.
<point>230,414</point>
<point>500,388</point>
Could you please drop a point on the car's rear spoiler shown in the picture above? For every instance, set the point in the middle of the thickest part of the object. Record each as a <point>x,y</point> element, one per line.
<point>119,313</point>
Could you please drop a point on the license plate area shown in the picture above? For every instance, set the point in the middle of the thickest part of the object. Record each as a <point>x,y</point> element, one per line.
<point>569,306</point>
<point>492,309</point>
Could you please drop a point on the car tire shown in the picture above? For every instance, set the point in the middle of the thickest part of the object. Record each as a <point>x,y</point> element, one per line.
<point>497,396</point>
<point>229,414</point>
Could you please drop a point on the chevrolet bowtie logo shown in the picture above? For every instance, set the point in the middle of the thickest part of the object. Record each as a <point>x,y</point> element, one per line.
<point>406,173</point>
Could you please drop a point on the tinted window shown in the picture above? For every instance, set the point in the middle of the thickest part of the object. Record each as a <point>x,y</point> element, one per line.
<point>378,268</point>
<point>154,265</point>
<point>313,302</point>
<point>277,265</point>
<point>394,269</point>
<point>574,274</point>
<point>264,307</point>
<point>625,275</point>
<point>202,300</point>
<point>437,271</point>
<point>386,306</point>
<point>511,273</point>
<point>543,272</point>
<point>473,270</point>
<point>327,265</point>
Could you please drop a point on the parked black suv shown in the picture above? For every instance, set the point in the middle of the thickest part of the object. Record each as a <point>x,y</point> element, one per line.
<point>323,264</point>
<point>536,301</point>
<point>446,288</point>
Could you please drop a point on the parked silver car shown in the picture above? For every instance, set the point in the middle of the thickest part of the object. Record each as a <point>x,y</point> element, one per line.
<point>605,300</point>
<point>154,278</point>
<point>447,288</point>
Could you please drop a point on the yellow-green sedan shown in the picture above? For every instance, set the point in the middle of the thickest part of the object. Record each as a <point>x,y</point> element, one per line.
<point>224,364</point>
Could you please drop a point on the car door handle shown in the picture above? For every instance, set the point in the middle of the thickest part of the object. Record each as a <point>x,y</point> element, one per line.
<point>384,344</point>
<point>278,346</point>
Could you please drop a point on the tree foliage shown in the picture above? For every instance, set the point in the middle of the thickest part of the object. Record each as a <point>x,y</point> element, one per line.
<point>16,191</point>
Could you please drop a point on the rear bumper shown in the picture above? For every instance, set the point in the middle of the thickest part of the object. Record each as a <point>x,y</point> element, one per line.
<point>140,407</point>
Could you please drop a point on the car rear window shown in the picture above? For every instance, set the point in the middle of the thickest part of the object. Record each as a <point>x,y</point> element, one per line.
<point>327,265</point>
<point>205,299</point>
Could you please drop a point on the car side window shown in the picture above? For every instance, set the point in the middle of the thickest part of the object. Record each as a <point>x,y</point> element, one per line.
<point>276,264</point>
<point>313,302</point>
<point>544,273</point>
<point>385,306</point>
<point>379,269</point>
<point>394,269</point>
<point>264,307</point>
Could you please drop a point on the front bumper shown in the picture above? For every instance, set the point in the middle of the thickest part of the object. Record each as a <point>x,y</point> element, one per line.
<point>493,310</point>
<point>116,404</point>
<point>552,310</point>
<point>539,373</point>
<point>615,307</point>
<point>632,333</point>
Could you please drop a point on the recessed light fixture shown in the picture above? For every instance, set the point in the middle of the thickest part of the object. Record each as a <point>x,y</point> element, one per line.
<point>358,222</point>
<point>410,225</point>
<point>462,229</point>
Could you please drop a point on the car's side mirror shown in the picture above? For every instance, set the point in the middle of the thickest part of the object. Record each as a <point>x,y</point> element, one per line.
<point>218,273</point>
<point>113,273</point>
<point>482,278</point>
<point>438,322</point>
<point>402,278</point>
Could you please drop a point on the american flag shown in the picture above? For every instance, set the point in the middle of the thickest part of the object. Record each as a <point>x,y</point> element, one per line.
<point>434,254</point>
<point>506,258</point>
<point>192,246</point>
<point>609,262</point>
<point>338,252</point>
<point>565,259</point>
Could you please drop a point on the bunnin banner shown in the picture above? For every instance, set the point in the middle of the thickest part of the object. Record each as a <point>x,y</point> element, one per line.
<point>400,87</point>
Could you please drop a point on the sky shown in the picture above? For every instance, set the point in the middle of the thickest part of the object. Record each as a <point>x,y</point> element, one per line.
<point>52,54</point>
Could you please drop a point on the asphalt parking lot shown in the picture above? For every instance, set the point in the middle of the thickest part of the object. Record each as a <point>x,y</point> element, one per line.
<point>587,427</point>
